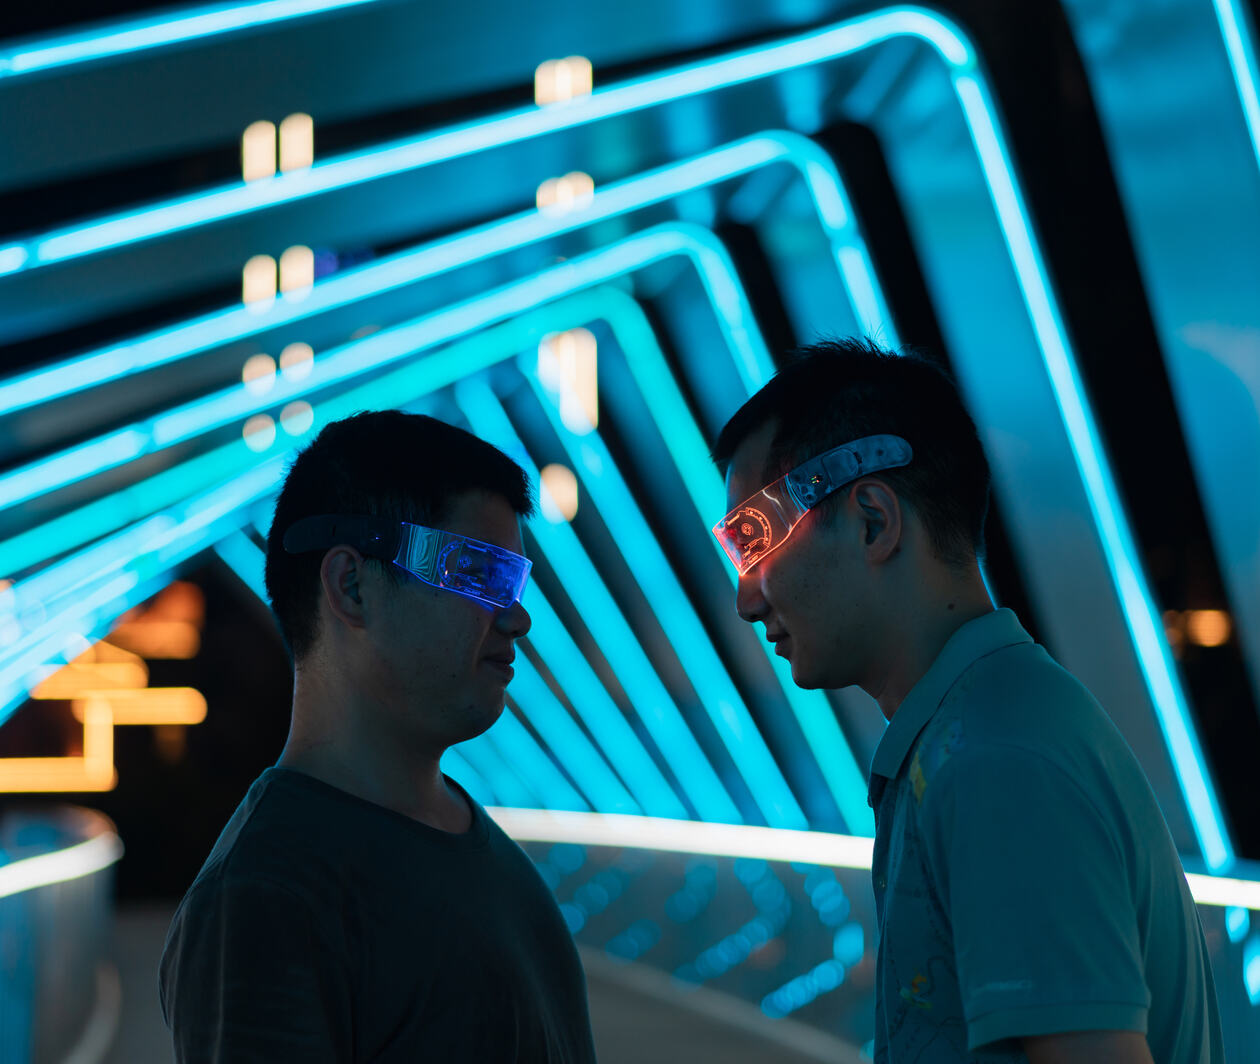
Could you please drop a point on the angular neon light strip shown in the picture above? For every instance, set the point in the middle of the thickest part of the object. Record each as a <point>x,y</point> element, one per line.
<point>236,403</point>
<point>1137,605</point>
<point>767,844</point>
<point>686,634</point>
<point>436,371</point>
<point>355,359</point>
<point>172,344</point>
<point>484,756</point>
<point>980,114</point>
<point>685,443</point>
<point>581,759</point>
<point>648,695</point>
<point>190,526</point>
<point>555,791</point>
<point>138,35</point>
<point>816,47</point>
<point>453,764</point>
<point>244,559</point>
<point>74,862</point>
<point>597,709</point>
<point>811,709</point>
<point>1241,49</point>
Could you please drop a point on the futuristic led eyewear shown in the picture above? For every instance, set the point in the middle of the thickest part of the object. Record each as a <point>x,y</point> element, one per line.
<point>763,522</point>
<point>444,560</point>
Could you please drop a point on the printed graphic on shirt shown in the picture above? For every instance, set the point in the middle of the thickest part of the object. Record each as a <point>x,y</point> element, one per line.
<point>916,993</point>
<point>931,753</point>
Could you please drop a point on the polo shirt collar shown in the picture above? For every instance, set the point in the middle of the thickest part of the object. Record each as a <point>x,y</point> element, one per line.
<point>973,641</point>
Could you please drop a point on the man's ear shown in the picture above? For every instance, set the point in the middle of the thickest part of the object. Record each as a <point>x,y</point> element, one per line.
<point>881,516</point>
<point>341,574</point>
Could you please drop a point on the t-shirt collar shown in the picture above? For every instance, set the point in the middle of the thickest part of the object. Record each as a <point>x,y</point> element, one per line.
<point>969,644</point>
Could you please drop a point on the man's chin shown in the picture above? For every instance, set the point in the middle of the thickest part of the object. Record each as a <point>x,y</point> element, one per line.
<point>808,679</point>
<point>478,722</point>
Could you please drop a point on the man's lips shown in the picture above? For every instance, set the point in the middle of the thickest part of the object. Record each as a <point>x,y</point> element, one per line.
<point>503,663</point>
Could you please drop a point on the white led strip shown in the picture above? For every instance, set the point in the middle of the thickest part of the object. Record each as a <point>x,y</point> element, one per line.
<point>768,844</point>
<point>70,863</point>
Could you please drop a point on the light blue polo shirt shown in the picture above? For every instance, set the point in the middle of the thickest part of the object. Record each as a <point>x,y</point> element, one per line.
<point>1025,880</point>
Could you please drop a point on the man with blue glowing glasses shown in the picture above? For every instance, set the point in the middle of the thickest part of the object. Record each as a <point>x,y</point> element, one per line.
<point>359,905</point>
<point>1030,901</point>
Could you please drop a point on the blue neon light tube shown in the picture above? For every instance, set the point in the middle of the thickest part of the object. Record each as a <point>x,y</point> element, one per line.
<point>613,633</point>
<point>697,778</point>
<point>1240,46</point>
<point>674,421</point>
<point>598,711</point>
<point>139,35</point>
<point>685,631</point>
<point>172,344</point>
<point>356,358</point>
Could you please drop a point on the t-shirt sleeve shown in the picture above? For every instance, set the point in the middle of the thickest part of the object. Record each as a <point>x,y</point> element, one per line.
<point>247,977</point>
<point>1038,898</point>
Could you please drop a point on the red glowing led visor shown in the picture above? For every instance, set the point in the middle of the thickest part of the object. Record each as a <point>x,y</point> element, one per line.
<point>762,522</point>
<point>445,560</point>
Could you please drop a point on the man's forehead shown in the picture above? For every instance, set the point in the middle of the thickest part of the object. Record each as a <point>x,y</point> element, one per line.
<point>749,470</point>
<point>484,515</point>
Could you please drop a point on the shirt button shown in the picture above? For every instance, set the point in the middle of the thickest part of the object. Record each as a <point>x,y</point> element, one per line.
<point>881,882</point>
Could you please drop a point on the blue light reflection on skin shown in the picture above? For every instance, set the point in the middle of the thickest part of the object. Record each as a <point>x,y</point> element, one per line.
<point>175,343</point>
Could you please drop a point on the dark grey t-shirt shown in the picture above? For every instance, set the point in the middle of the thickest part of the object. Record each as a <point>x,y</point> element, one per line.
<point>327,928</point>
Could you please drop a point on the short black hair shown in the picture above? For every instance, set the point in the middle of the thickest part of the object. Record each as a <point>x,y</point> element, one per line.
<point>833,391</point>
<point>385,463</point>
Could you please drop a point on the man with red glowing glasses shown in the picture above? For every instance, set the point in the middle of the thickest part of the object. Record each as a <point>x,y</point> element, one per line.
<point>1030,901</point>
<point>359,905</point>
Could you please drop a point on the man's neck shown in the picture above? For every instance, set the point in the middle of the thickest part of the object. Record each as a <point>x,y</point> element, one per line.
<point>331,740</point>
<point>918,637</point>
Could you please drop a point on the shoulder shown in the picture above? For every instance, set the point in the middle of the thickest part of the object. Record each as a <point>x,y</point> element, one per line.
<point>1015,705</point>
<point>274,844</point>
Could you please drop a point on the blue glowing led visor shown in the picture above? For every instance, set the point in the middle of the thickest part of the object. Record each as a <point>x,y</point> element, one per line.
<point>763,522</point>
<point>445,560</point>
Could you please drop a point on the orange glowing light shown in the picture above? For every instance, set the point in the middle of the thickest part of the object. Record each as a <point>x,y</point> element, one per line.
<point>93,771</point>
<point>157,638</point>
<point>147,705</point>
<point>1208,628</point>
<point>81,680</point>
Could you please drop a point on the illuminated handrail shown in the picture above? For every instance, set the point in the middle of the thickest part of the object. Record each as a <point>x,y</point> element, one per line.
<point>767,844</point>
<point>73,862</point>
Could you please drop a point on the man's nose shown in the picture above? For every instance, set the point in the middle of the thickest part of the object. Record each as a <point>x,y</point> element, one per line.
<point>750,603</point>
<point>513,620</point>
